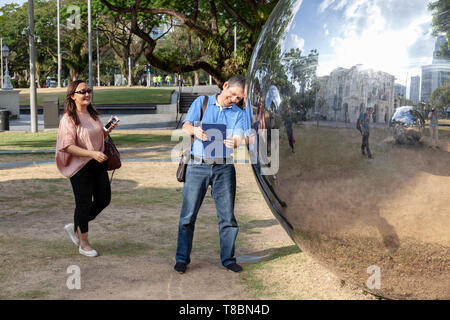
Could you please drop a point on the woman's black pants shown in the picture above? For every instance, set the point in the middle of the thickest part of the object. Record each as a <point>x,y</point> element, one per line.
<point>92,192</point>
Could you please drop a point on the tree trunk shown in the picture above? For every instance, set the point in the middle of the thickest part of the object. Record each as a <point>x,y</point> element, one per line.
<point>196,79</point>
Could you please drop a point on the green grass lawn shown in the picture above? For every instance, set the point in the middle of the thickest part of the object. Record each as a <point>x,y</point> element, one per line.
<point>47,140</point>
<point>110,96</point>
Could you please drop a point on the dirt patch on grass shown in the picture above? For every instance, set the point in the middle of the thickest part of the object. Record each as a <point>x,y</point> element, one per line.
<point>136,238</point>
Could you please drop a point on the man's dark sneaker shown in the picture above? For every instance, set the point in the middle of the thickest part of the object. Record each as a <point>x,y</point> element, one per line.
<point>180,267</point>
<point>234,267</point>
<point>370,156</point>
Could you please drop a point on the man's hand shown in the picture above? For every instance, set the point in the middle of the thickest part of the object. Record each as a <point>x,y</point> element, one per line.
<point>251,139</point>
<point>229,142</point>
<point>199,133</point>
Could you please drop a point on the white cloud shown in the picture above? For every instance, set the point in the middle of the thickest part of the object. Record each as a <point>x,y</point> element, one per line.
<point>372,35</point>
<point>295,42</point>
<point>340,5</point>
<point>325,30</point>
<point>324,5</point>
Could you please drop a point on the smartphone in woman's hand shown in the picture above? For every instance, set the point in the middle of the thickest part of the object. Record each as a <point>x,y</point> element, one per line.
<point>110,123</point>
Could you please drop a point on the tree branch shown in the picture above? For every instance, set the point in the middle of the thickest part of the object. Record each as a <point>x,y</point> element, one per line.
<point>194,15</point>
<point>237,16</point>
<point>251,4</point>
<point>214,28</point>
<point>190,23</point>
<point>174,67</point>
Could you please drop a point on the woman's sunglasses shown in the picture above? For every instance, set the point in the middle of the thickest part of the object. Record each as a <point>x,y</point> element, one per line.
<point>84,91</point>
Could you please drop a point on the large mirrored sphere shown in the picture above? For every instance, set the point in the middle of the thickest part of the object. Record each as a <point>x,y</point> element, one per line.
<point>373,210</point>
<point>407,125</point>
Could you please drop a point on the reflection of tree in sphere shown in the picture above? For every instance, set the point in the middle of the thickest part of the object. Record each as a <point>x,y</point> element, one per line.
<point>353,214</point>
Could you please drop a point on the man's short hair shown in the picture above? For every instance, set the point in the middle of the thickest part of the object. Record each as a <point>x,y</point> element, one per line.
<point>369,108</point>
<point>237,81</point>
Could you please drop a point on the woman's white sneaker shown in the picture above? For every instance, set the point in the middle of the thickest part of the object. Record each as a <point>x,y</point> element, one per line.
<point>70,231</point>
<point>90,253</point>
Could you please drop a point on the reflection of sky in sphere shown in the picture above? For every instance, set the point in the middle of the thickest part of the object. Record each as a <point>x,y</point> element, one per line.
<point>393,36</point>
<point>405,115</point>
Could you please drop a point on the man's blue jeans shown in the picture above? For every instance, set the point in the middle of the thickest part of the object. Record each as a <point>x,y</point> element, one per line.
<point>222,178</point>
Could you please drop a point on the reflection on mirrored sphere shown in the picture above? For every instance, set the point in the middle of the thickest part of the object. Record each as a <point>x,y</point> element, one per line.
<point>362,201</point>
<point>407,125</point>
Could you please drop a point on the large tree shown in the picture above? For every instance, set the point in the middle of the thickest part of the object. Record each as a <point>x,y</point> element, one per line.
<point>14,31</point>
<point>441,21</point>
<point>441,97</point>
<point>210,21</point>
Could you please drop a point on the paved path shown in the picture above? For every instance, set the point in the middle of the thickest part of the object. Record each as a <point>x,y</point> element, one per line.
<point>127,122</point>
<point>53,150</point>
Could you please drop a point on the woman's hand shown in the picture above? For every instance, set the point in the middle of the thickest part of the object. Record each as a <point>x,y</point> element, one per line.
<point>99,156</point>
<point>111,128</point>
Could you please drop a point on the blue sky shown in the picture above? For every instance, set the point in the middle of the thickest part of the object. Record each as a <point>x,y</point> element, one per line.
<point>393,36</point>
<point>3,2</point>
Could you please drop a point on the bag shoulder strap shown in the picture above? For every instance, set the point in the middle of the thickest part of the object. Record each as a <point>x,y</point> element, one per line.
<point>205,104</point>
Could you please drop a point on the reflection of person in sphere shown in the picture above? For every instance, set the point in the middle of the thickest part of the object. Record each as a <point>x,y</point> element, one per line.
<point>248,116</point>
<point>289,130</point>
<point>434,119</point>
<point>364,119</point>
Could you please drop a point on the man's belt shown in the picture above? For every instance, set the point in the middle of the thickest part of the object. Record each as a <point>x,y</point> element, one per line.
<point>213,161</point>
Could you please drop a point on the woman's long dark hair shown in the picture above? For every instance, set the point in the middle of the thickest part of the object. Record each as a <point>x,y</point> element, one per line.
<point>71,108</point>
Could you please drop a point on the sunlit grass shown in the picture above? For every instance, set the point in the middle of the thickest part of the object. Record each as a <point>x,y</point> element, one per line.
<point>106,96</point>
<point>47,140</point>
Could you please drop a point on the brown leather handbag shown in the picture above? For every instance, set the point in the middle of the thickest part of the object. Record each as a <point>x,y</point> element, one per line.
<point>186,155</point>
<point>113,155</point>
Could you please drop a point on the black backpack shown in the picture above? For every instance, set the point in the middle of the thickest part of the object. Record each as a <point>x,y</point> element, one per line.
<point>358,123</point>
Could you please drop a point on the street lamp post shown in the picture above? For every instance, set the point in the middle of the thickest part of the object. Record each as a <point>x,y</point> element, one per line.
<point>6,79</point>
<point>1,73</point>
<point>129,71</point>
<point>98,61</point>
<point>59,45</point>
<point>235,39</point>
<point>33,111</point>
<point>90,44</point>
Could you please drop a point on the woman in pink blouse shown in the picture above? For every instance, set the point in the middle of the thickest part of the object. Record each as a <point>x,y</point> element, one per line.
<point>80,157</point>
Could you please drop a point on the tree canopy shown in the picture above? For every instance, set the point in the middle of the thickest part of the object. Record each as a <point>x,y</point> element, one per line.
<point>174,36</point>
<point>211,22</point>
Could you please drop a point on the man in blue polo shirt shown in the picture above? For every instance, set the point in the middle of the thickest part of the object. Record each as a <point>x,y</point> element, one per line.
<point>203,170</point>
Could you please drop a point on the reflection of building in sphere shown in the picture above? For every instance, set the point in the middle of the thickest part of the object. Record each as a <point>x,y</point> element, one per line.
<point>437,73</point>
<point>407,125</point>
<point>345,93</point>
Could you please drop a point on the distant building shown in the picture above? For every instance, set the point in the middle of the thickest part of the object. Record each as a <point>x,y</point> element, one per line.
<point>400,90</point>
<point>437,56</point>
<point>345,93</point>
<point>435,74</point>
<point>414,89</point>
